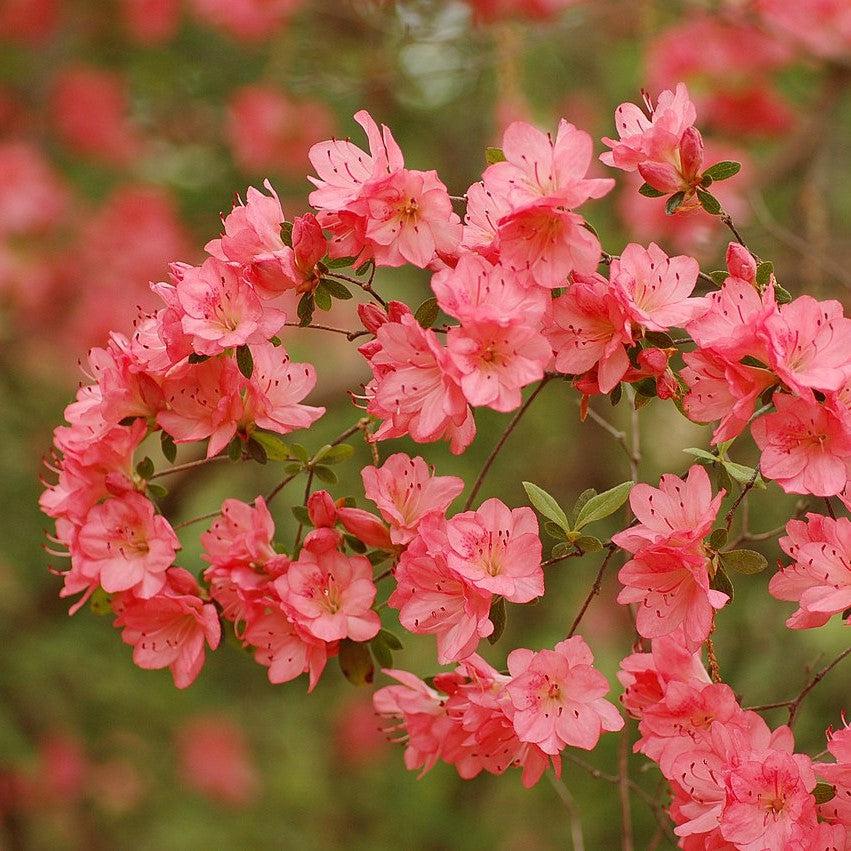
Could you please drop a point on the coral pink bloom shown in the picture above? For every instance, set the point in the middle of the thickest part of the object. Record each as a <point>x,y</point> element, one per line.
<point>655,288</point>
<point>286,649</point>
<point>240,534</point>
<point>672,589</point>
<point>33,197</point>
<point>590,328</point>
<point>485,210</point>
<point>432,599</point>
<point>413,389</point>
<point>249,20</point>
<point>558,697</point>
<point>838,774</point>
<point>410,219</point>
<point>299,263</point>
<point>722,390</point>
<point>809,342</point>
<point>324,514</point>
<point>170,629</point>
<point>537,167</point>
<point>678,513</point>
<point>329,594</point>
<point>221,310</point>
<point>479,291</point>
<point>498,549</point>
<point>547,243</point>
<point>819,580</point>
<point>769,802</point>
<point>495,361</point>
<point>151,21</point>
<point>343,168</point>
<point>645,676</point>
<point>127,545</point>
<point>805,447</point>
<point>276,390</point>
<point>820,26</point>
<point>406,491</point>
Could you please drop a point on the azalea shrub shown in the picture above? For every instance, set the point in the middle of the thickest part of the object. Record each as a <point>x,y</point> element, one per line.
<point>524,301</point>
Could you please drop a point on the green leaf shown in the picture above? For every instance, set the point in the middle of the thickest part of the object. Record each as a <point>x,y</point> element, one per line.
<point>701,453</point>
<point>546,505</point>
<point>292,469</point>
<point>674,203</point>
<point>717,538</point>
<point>377,557</point>
<point>336,454</point>
<point>616,394</point>
<point>339,262</point>
<point>381,652</point>
<point>709,202</point>
<point>498,617</point>
<point>145,468</point>
<point>390,639</point>
<point>494,155</point>
<point>235,449</point>
<point>356,662</point>
<point>245,361</point>
<point>196,358</point>
<point>742,474</point>
<point>603,505</point>
<point>305,309</point>
<point>300,513</point>
<point>580,502</point>
<point>300,452</point>
<point>325,474</point>
<point>168,447</point>
<point>276,448</point>
<point>588,544</point>
<point>256,451</point>
<point>723,170</point>
<point>649,192</point>
<point>356,545</point>
<point>719,276</point>
<point>426,313</point>
<point>658,339</point>
<point>100,602</point>
<point>554,530</point>
<point>744,561</point>
<point>721,582</point>
<point>763,273</point>
<point>336,289</point>
<point>782,295</point>
<point>287,233</point>
<point>156,490</point>
<point>561,549</point>
<point>824,792</point>
<point>321,297</point>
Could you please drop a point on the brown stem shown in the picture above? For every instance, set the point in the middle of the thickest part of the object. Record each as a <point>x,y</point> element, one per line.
<point>627,841</point>
<point>728,520</point>
<point>563,792</point>
<point>795,705</point>
<point>350,335</point>
<point>366,286</point>
<point>595,589</point>
<point>179,468</point>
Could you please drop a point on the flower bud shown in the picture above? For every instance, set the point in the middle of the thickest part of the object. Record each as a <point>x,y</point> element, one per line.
<point>661,176</point>
<point>321,509</point>
<point>365,526</point>
<point>740,263</point>
<point>691,154</point>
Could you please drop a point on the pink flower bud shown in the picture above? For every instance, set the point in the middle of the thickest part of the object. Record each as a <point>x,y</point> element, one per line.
<point>661,176</point>
<point>365,526</point>
<point>309,243</point>
<point>371,316</point>
<point>691,153</point>
<point>321,509</point>
<point>740,263</point>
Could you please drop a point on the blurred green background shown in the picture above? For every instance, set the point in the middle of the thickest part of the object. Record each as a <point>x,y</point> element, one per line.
<point>95,753</point>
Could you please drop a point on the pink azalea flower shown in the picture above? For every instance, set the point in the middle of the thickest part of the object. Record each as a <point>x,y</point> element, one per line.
<point>410,219</point>
<point>589,328</point>
<point>287,649</point>
<point>328,594</point>
<point>808,345</point>
<point>169,630</point>
<point>485,210</point>
<point>821,26</point>
<point>558,697</point>
<point>498,549</point>
<point>769,802</point>
<point>722,390</point>
<point>819,579</point>
<point>240,534</point>
<point>655,288</point>
<point>677,514</point>
<point>343,168</point>
<point>126,545</point>
<point>249,20</point>
<point>805,447</point>
<point>433,599</point>
<point>672,589</point>
<point>221,310</point>
<point>495,361</point>
<point>324,513</point>
<point>838,774</point>
<point>413,389</point>
<point>406,491</point>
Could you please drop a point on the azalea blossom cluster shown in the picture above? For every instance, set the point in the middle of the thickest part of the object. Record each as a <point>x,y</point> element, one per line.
<point>517,276</point>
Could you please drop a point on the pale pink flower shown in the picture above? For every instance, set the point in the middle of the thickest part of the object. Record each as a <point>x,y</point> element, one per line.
<point>820,26</point>
<point>343,168</point>
<point>410,219</point>
<point>328,594</point>
<point>485,210</point>
<point>221,310</point>
<point>433,599</point>
<point>722,390</point>
<point>677,514</point>
<point>805,447</point>
<point>655,288</point>
<point>126,545</point>
<point>819,579</point>
<point>242,533</point>
<point>769,802</point>
<point>671,588</point>
<point>33,196</point>
<point>838,774</point>
<point>286,649</point>
<point>498,550</point>
<point>495,361</point>
<point>589,328</point>
<point>406,491</point>
<point>558,697</point>
<point>808,344</point>
<point>248,20</point>
<point>169,630</point>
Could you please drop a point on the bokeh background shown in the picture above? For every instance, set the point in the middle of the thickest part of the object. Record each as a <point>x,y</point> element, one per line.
<point>126,127</point>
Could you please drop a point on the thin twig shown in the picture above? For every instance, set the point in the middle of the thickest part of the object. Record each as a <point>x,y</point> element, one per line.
<point>300,528</point>
<point>617,434</point>
<point>349,335</point>
<point>595,589</point>
<point>627,841</point>
<point>501,442</point>
<point>366,286</point>
<point>728,520</point>
<point>179,468</point>
<point>194,520</point>
<point>572,811</point>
